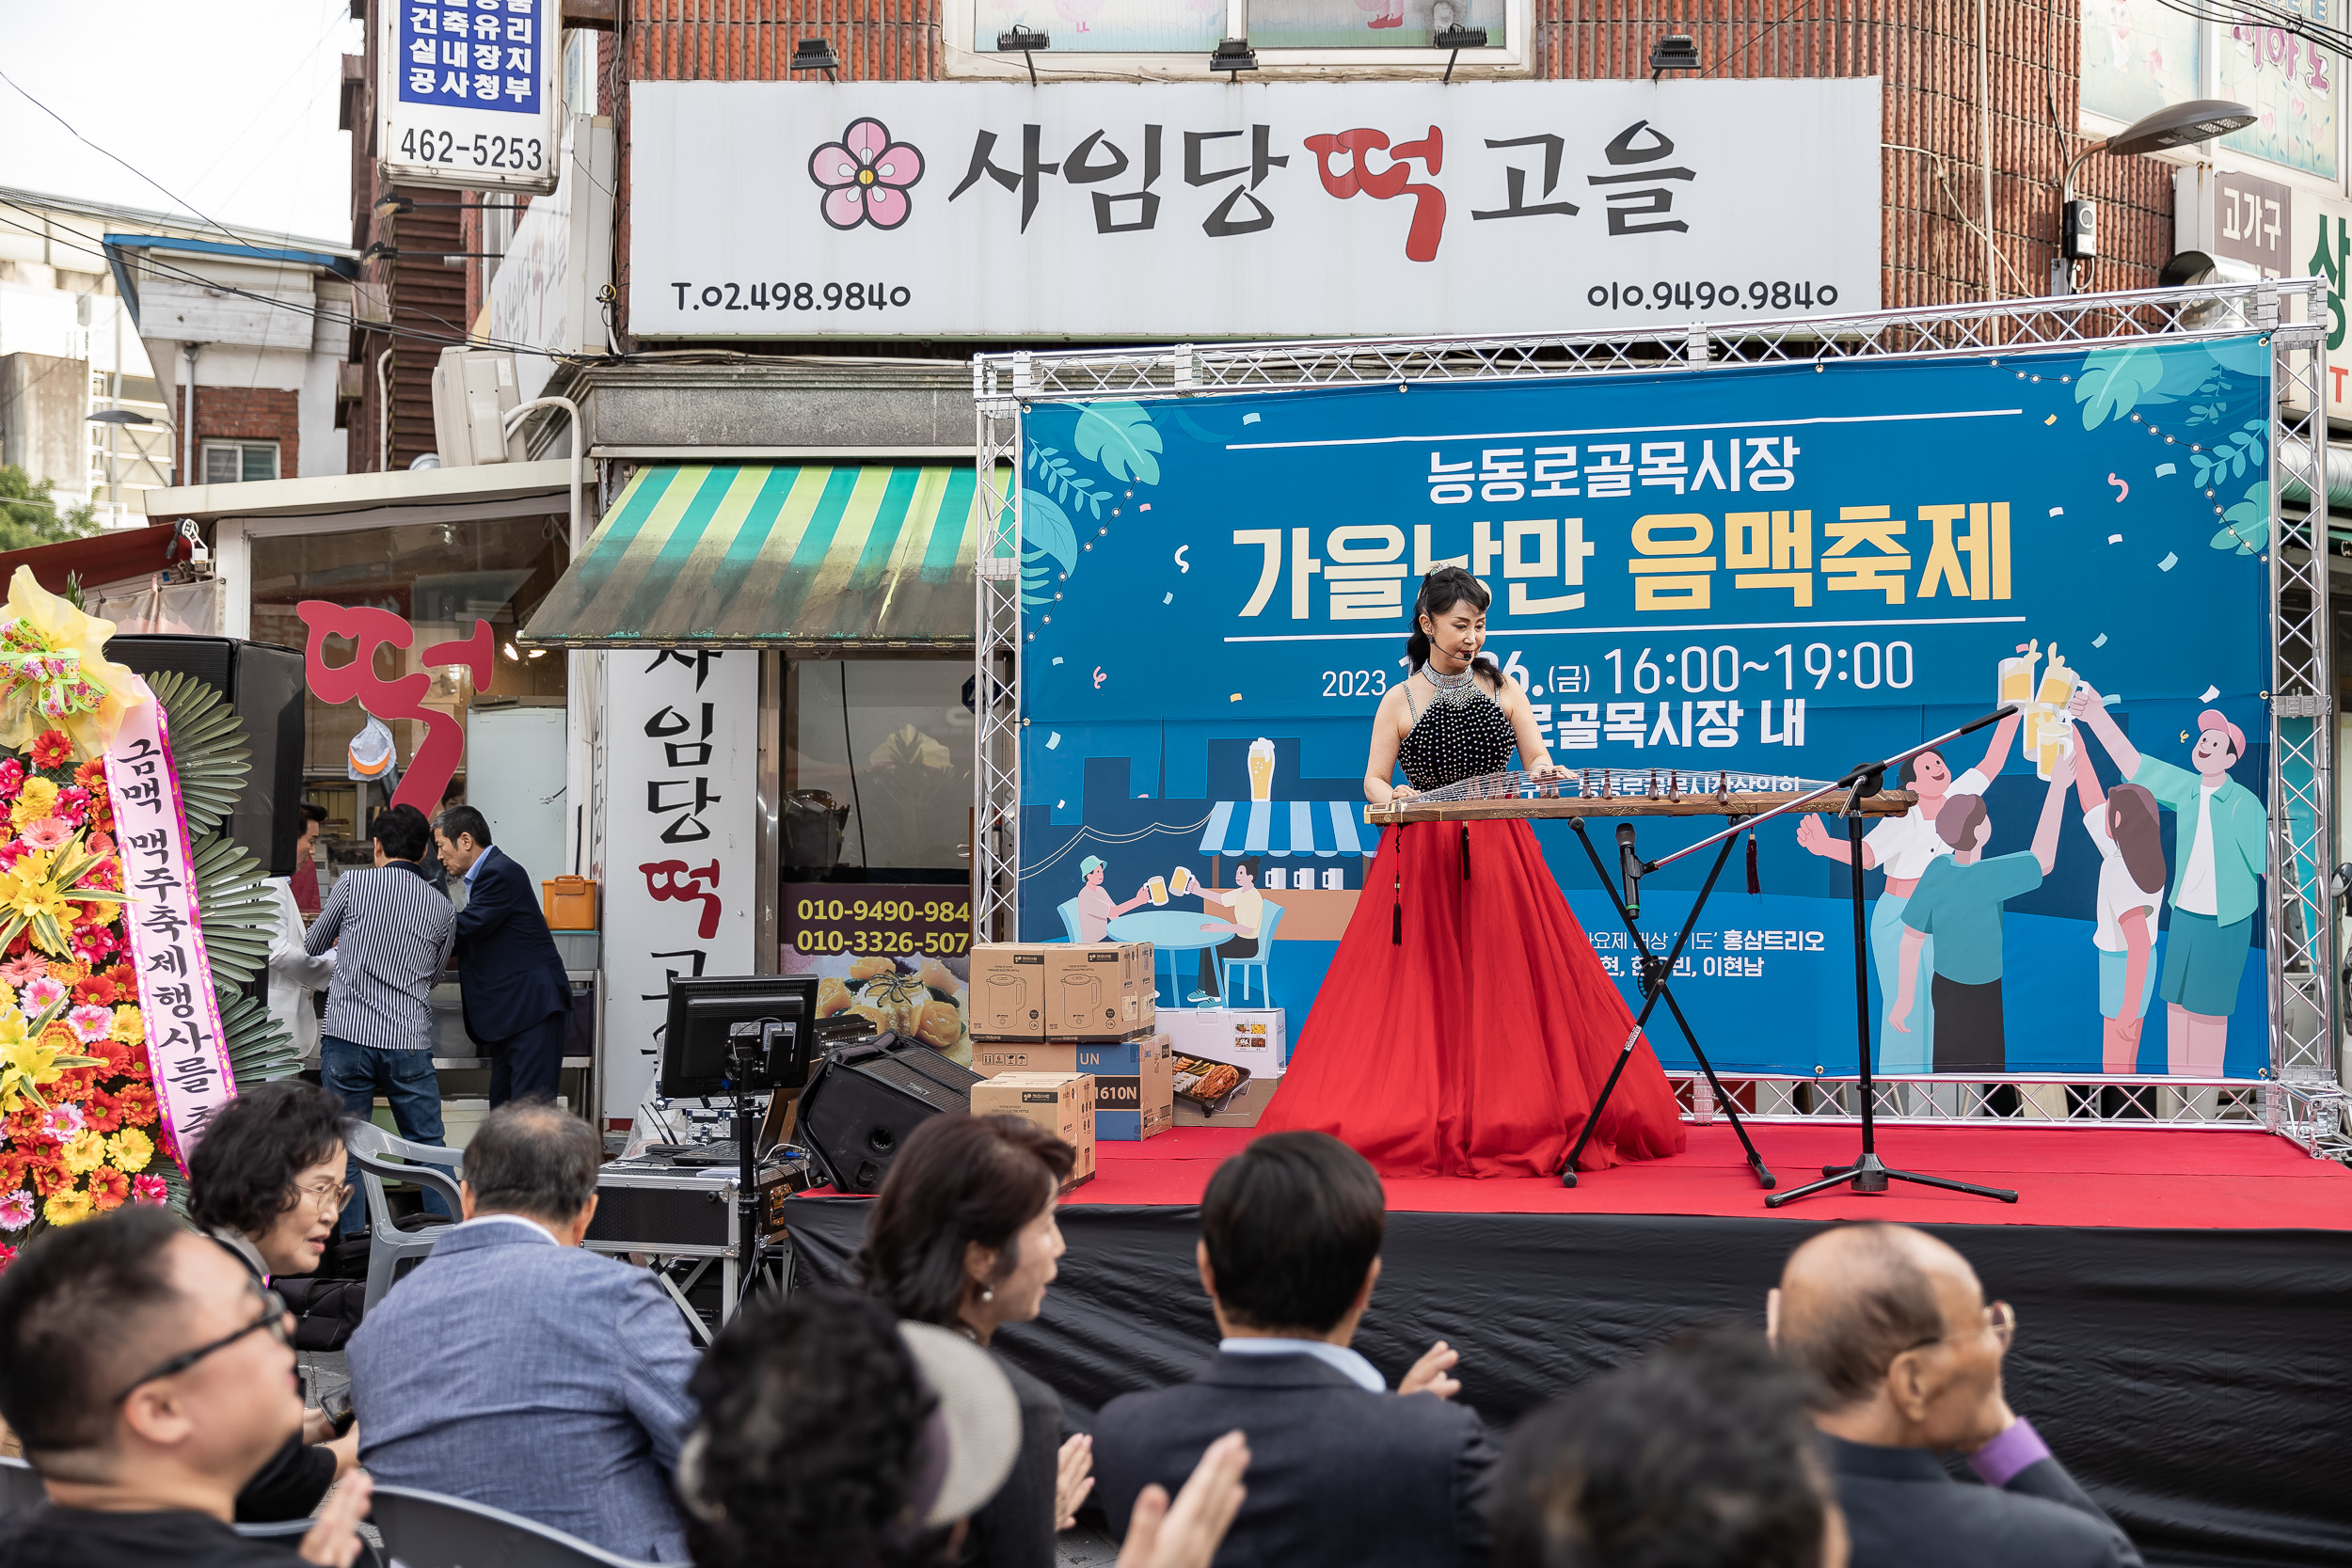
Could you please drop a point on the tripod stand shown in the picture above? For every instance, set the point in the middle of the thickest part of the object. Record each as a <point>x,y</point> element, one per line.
<point>752,1065</point>
<point>1868,1173</point>
<point>1655,973</point>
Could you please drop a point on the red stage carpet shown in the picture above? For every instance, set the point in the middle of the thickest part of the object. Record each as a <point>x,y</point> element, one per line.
<point>2157,1178</point>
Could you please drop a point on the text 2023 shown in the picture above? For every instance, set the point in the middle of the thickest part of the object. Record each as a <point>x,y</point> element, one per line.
<point>792,296</point>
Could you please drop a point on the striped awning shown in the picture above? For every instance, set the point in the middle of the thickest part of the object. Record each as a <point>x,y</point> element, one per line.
<point>1325,828</point>
<point>744,556</point>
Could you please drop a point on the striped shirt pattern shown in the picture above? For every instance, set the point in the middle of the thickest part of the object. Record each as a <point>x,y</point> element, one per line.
<point>391,932</point>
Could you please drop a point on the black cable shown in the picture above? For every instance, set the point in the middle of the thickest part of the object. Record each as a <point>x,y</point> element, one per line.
<point>849,750</point>
<point>2263,12</point>
<point>104,153</point>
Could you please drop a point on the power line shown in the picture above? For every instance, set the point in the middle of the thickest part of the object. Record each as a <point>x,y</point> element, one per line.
<point>102,153</point>
<point>331,318</point>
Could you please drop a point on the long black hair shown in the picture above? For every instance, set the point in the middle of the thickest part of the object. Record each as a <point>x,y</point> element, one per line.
<point>1441,591</point>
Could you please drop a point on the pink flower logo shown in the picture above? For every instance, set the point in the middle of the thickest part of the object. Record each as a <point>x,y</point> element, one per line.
<point>866,175</point>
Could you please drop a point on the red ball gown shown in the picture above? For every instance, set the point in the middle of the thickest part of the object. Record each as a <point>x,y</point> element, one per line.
<point>1466,1028</point>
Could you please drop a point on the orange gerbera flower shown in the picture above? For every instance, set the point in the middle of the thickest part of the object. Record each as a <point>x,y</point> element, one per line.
<point>108,1187</point>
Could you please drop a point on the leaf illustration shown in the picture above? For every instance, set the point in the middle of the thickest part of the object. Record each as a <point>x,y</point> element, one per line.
<point>1046,534</point>
<point>1119,436</point>
<point>2116,381</point>
<point>2243,356</point>
<point>2248,521</point>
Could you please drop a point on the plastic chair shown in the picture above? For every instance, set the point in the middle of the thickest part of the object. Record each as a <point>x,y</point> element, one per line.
<point>425,1530</point>
<point>383,1158</point>
<point>1068,909</point>
<point>1225,967</point>
<point>20,1485</point>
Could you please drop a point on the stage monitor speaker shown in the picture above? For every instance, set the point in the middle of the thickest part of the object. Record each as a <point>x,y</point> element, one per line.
<point>263,683</point>
<point>861,1104</point>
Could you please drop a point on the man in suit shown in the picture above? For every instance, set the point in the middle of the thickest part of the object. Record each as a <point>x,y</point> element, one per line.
<point>1894,1326</point>
<point>515,1369</point>
<point>517,999</point>
<point>1341,1472</point>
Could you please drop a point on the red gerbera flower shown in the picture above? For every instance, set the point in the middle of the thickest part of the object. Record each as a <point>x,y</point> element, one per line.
<point>52,750</point>
<point>108,1187</point>
<point>96,990</point>
<point>101,1112</point>
<point>92,775</point>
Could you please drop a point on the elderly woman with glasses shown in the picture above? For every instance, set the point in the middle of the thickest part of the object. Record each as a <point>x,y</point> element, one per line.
<point>267,1183</point>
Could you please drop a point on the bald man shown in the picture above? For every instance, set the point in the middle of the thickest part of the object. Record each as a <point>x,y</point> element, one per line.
<point>1896,1328</point>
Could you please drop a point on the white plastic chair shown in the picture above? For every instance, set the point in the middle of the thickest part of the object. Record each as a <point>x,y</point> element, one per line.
<point>383,1158</point>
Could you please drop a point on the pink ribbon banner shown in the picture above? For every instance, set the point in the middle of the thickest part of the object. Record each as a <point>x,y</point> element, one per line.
<point>185,1044</point>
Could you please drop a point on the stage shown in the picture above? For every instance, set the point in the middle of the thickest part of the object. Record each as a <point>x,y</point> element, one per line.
<point>2181,1296</point>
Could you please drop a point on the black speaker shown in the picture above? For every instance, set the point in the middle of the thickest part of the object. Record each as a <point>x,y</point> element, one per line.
<point>862,1104</point>
<point>263,683</point>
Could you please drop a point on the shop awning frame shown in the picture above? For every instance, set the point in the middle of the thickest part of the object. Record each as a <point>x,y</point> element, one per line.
<point>807,555</point>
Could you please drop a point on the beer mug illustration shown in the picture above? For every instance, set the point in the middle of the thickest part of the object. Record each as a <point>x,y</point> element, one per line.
<point>1180,882</point>
<point>1262,769</point>
<point>2057,683</point>
<point>2016,676</point>
<point>1158,888</point>
<point>2056,741</point>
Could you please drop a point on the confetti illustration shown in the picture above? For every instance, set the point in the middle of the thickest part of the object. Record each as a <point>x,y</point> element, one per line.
<point>2122,490</point>
<point>2169,561</point>
<point>1053,740</point>
<point>1182,564</point>
<point>1057,658</point>
<point>2164,469</point>
<point>2115,538</point>
<point>1249,419</point>
<point>1168,599</point>
<point>2100,641</point>
<point>1235,698</point>
<point>2057,512</point>
<point>2209,694</point>
<point>2052,420</point>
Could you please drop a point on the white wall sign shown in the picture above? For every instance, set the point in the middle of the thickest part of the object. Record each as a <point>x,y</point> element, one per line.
<point>679,809</point>
<point>544,293</point>
<point>1108,210</point>
<point>466,93</point>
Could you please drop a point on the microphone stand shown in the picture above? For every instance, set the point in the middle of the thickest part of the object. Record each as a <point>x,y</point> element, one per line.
<point>1868,1175</point>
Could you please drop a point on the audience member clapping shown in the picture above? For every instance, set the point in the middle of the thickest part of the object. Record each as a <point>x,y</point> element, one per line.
<point>833,1436</point>
<point>1895,1326</point>
<point>1699,1456</point>
<point>149,1376</point>
<point>964,1237</point>
<point>1346,1473</point>
<point>267,1183</point>
<point>513,1368</point>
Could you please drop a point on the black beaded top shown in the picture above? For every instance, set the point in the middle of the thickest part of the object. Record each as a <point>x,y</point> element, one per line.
<point>1456,739</point>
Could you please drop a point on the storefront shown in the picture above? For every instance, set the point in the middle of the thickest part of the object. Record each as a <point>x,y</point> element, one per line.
<point>784,641</point>
<point>405,592</point>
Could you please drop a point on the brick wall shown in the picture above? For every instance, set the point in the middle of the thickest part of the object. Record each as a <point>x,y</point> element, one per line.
<point>246,414</point>
<point>1925,51</point>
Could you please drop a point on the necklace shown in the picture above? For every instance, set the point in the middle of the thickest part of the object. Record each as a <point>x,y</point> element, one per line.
<point>1455,689</point>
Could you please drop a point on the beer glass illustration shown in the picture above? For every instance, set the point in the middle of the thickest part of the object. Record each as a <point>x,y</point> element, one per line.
<point>2016,676</point>
<point>1158,888</point>
<point>1180,882</point>
<point>1261,770</point>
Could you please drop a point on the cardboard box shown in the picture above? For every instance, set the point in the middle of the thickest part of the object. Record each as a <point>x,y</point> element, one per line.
<point>1058,991</point>
<point>1134,1095</point>
<point>1253,1037</point>
<point>1062,1103</point>
<point>1248,1105</point>
<point>1008,991</point>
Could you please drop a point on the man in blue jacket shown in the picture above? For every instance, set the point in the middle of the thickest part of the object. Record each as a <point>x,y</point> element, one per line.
<point>518,998</point>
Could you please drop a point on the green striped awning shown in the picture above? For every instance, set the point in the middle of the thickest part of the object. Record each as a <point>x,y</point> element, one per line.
<point>741,556</point>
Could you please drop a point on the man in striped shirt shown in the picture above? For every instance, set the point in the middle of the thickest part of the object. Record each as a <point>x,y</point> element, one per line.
<point>391,932</point>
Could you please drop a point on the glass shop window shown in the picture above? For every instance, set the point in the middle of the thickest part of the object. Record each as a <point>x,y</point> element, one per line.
<point>878,770</point>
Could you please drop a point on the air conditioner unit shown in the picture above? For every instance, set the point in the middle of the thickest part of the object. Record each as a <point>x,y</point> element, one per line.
<point>473,392</point>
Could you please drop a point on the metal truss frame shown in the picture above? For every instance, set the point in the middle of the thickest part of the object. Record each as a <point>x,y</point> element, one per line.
<point>2300,1097</point>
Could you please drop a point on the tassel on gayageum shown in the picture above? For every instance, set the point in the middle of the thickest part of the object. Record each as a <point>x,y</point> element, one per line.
<point>1465,852</point>
<point>1756,880</point>
<point>1397,900</point>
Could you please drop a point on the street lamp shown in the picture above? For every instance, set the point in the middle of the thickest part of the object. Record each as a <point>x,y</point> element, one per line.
<point>118,415</point>
<point>2200,119</point>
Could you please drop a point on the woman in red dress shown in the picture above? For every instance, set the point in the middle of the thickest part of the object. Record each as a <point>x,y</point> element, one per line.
<point>1465,1027</point>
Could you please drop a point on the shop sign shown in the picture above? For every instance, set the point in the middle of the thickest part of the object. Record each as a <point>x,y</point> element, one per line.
<point>466,93</point>
<point>2322,248</point>
<point>680,847</point>
<point>880,210</point>
<point>435,761</point>
<point>897,952</point>
<point>544,294</point>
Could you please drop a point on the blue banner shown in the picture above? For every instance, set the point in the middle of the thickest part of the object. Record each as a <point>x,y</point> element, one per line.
<point>1781,570</point>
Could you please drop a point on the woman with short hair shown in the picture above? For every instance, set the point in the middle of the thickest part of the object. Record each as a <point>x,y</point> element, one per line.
<point>266,1182</point>
<point>963,1236</point>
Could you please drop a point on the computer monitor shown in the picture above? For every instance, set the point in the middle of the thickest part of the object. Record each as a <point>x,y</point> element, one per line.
<point>703,1013</point>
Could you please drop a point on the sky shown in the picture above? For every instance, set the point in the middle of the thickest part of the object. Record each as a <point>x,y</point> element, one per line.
<point>228,104</point>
